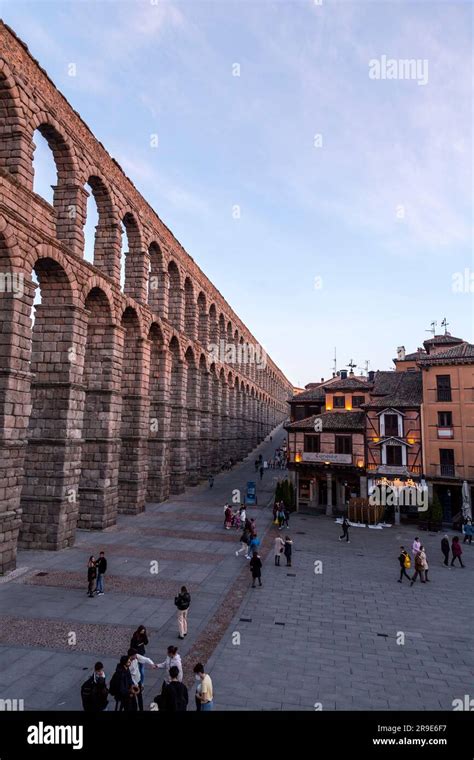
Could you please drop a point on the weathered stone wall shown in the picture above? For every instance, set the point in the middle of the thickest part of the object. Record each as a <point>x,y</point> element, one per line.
<point>108,397</point>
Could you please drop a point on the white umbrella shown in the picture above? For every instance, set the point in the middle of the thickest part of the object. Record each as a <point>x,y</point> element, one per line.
<point>466,500</point>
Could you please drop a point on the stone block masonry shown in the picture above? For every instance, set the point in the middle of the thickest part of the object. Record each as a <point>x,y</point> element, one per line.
<point>109,393</point>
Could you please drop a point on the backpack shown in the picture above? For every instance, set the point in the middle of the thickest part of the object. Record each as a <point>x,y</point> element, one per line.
<point>114,686</point>
<point>87,691</point>
<point>407,562</point>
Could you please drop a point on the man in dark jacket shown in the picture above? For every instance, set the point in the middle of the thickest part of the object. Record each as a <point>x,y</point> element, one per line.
<point>182,602</point>
<point>121,686</point>
<point>445,550</point>
<point>174,697</point>
<point>101,565</point>
<point>94,691</point>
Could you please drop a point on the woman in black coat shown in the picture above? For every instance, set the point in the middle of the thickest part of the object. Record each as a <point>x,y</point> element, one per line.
<point>445,549</point>
<point>138,642</point>
<point>91,576</point>
<point>256,569</point>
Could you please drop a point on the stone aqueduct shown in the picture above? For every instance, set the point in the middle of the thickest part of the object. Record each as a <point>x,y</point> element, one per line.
<point>109,397</point>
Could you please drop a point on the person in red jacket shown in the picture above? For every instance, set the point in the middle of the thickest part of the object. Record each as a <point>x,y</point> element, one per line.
<point>457,551</point>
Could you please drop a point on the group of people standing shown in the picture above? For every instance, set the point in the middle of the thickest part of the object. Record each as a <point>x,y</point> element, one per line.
<point>127,683</point>
<point>281,515</point>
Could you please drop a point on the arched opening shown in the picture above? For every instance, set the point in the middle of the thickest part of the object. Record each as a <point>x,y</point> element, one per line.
<point>49,499</point>
<point>132,473</point>
<point>54,181</point>
<point>205,417</point>
<point>192,419</point>
<point>203,320</point>
<point>132,274</point>
<point>221,328</point>
<point>190,312</point>
<point>13,158</point>
<point>98,493</point>
<point>224,414</point>
<point>158,451</point>
<point>157,290</point>
<point>213,326</point>
<point>216,422</point>
<point>175,297</point>
<point>102,240</point>
<point>178,435</point>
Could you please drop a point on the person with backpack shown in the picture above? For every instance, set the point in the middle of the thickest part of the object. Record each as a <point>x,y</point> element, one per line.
<point>94,691</point>
<point>457,551</point>
<point>91,576</point>
<point>101,565</point>
<point>288,550</point>
<point>405,564</point>
<point>445,549</point>
<point>182,602</point>
<point>174,695</point>
<point>121,686</point>
<point>138,642</point>
<point>256,569</point>
<point>172,658</point>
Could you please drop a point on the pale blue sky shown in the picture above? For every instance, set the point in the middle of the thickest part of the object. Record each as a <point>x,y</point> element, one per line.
<point>390,149</point>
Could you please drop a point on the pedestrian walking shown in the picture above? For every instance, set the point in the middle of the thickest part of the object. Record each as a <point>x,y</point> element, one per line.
<point>456,549</point>
<point>205,693</point>
<point>211,481</point>
<point>94,691</point>
<point>253,546</point>
<point>281,516</point>
<point>415,548</point>
<point>276,509</point>
<point>288,550</point>
<point>424,563</point>
<point>172,658</point>
<point>419,568</point>
<point>135,660</point>
<point>445,549</point>
<point>174,696</point>
<point>244,543</point>
<point>345,530</point>
<point>261,472</point>
<point>405,564</point>
<point>243,516</point>
<point>182,602</point>
<point>286,512</point>
<point>101,565</point>
<point>256,569</point>
<point>279,546</point>
<point>91,576</point>
<point>138,642</point>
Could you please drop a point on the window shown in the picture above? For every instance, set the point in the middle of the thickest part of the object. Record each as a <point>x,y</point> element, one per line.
<point>391,424</point>
<point>313,409</point>
<point>339,402</point>
<point>445,419</point>
<point>443,387</point>
<point>357,401</point>
<point>300,412</point>
<point>343,444</point>
<point>446,462</point>
<point>312,444</point>
<point>394,456</point>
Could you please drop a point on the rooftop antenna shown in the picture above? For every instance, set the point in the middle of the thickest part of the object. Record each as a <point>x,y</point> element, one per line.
<point>335,362</point>
<point>433,328</point>
<point>351,365</point>
<point>445,324</point>
<point>366,368</point>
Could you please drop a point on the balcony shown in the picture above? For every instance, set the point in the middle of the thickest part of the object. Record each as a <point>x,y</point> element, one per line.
<point>443,394</point>
<point>447,470</point>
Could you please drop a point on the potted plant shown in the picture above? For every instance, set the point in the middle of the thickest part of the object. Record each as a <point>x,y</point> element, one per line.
<point>435,514</point>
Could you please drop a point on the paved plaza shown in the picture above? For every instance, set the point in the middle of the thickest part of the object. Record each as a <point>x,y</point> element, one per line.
<point>305,638</point>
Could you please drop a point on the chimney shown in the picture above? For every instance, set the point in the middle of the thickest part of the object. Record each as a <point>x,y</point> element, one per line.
<point>343,374</point>
<point>401,353</point>
<point>322,379</point>
<point>371,376</point>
